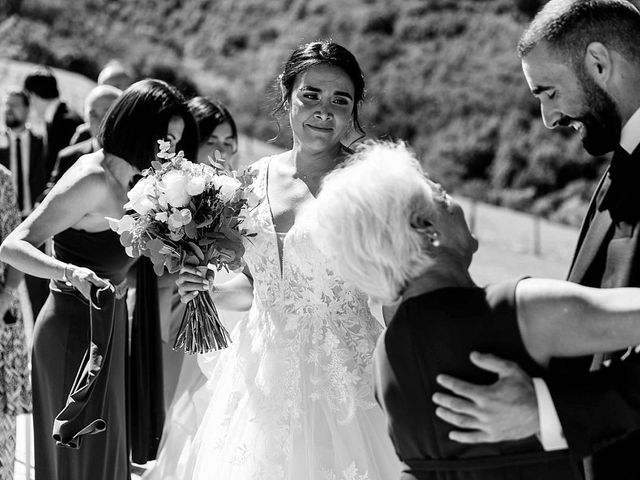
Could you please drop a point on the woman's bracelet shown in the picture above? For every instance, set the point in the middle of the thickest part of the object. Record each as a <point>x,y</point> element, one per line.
<point>65,277</point>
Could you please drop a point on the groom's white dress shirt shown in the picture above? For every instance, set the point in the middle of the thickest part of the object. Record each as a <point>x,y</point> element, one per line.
<point>551,434</point>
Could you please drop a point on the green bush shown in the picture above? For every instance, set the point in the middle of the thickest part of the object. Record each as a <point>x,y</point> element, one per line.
<point>441,74</point>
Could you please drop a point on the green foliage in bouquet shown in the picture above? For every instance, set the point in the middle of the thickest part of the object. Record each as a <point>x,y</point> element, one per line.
<point>180,213</point>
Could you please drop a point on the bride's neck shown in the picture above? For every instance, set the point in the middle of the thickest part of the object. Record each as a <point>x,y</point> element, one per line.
<point>309,163</point>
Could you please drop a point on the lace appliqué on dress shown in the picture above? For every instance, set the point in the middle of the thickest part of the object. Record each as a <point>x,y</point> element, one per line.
<point>293,395</point>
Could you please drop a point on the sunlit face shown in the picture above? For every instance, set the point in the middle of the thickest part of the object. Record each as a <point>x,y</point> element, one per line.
<point>224,141</point>
<point>569,100</point>
<point>95,112</point>
<point>450,223</point>
<point>15,111</point>
<point>175,131</point>
<point>322,102</point>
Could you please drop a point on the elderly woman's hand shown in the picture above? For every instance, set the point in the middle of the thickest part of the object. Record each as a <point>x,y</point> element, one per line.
<point>193,280</point>
<point>81,278</point>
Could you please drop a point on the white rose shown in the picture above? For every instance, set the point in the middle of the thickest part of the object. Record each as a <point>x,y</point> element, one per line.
<point>227,185</point>
<point>140,197</point>
<point>195,185</point>
<point>174,187</point>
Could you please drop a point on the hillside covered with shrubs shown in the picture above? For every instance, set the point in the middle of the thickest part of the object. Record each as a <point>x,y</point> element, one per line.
<point>441,74</point>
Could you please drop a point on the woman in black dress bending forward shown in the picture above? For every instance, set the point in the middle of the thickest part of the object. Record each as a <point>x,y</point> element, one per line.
<point>87,253</point>
<point>398,236</point>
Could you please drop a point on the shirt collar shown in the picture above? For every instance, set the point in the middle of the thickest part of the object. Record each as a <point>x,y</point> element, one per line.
<point>630,135</point>
<point>50,112</point>
<point>24,134</point>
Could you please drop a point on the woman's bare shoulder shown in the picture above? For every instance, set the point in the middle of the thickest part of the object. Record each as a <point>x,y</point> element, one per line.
<point>87,174</point>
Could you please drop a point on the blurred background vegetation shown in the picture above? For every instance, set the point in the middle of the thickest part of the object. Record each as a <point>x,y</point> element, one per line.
<point>441,74</point>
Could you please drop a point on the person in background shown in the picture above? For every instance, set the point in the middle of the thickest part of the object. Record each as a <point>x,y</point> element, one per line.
<point>218,131</point>
<point>89,255</point>
<point>15,390</point>
<point>184,400</point>
<point>96,106</point>
<point>22,152</point>
<point>114,74</point>
<point>60,121</point>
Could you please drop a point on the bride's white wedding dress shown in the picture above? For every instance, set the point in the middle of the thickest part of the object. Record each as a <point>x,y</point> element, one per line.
<point>292,398</point>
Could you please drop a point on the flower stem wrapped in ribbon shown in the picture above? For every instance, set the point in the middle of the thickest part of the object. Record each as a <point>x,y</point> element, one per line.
<point>182,212</point>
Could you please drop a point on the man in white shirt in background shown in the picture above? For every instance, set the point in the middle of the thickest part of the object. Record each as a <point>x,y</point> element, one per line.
<point>22,152</point>
<point>581,59</point>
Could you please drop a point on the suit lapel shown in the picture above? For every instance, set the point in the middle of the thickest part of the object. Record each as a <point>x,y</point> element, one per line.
<point>609,209</point>
<point>594,228</point>
<point>37,173</point>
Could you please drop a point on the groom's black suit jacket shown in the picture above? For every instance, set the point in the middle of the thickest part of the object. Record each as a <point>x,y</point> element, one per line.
<point>600,411</point>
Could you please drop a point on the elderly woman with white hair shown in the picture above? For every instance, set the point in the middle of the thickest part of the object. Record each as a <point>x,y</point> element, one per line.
<point>397,235</point>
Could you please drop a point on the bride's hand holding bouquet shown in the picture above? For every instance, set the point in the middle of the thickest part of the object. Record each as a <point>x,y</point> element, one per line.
<point>188,216</point>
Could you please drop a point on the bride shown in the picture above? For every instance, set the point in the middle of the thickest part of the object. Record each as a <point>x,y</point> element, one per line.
<point>292,398</point>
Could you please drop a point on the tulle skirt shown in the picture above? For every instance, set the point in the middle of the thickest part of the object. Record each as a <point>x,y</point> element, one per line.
<point>270,409</point>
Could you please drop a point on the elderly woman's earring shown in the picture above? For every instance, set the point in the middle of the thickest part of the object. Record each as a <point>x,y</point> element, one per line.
<point>433,238</point>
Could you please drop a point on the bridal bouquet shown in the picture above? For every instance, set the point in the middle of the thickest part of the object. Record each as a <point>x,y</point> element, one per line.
<point>183,212</point>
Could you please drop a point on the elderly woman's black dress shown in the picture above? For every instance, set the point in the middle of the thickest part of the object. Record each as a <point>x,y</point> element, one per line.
<point>434,333</point>
<point>62,336</point>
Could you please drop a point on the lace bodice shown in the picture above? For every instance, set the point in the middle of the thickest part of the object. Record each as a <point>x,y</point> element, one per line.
<point>306,308</point>
<point>304,281</point>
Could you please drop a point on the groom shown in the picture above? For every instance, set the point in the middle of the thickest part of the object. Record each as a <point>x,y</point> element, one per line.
<point>581,59</point>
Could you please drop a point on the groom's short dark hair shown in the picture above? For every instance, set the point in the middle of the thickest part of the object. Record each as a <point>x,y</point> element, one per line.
<point>567,27</point>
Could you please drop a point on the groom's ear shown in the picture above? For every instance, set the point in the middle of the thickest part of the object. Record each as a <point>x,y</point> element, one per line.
<point>598,62</point>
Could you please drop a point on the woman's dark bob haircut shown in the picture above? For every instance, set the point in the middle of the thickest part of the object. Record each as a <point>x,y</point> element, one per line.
<point>140,117</point>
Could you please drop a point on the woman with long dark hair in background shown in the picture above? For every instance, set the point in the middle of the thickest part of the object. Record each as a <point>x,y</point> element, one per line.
<point>185,399</point>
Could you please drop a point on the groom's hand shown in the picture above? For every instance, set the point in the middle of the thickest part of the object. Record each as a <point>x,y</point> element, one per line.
<point>505,410</point>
